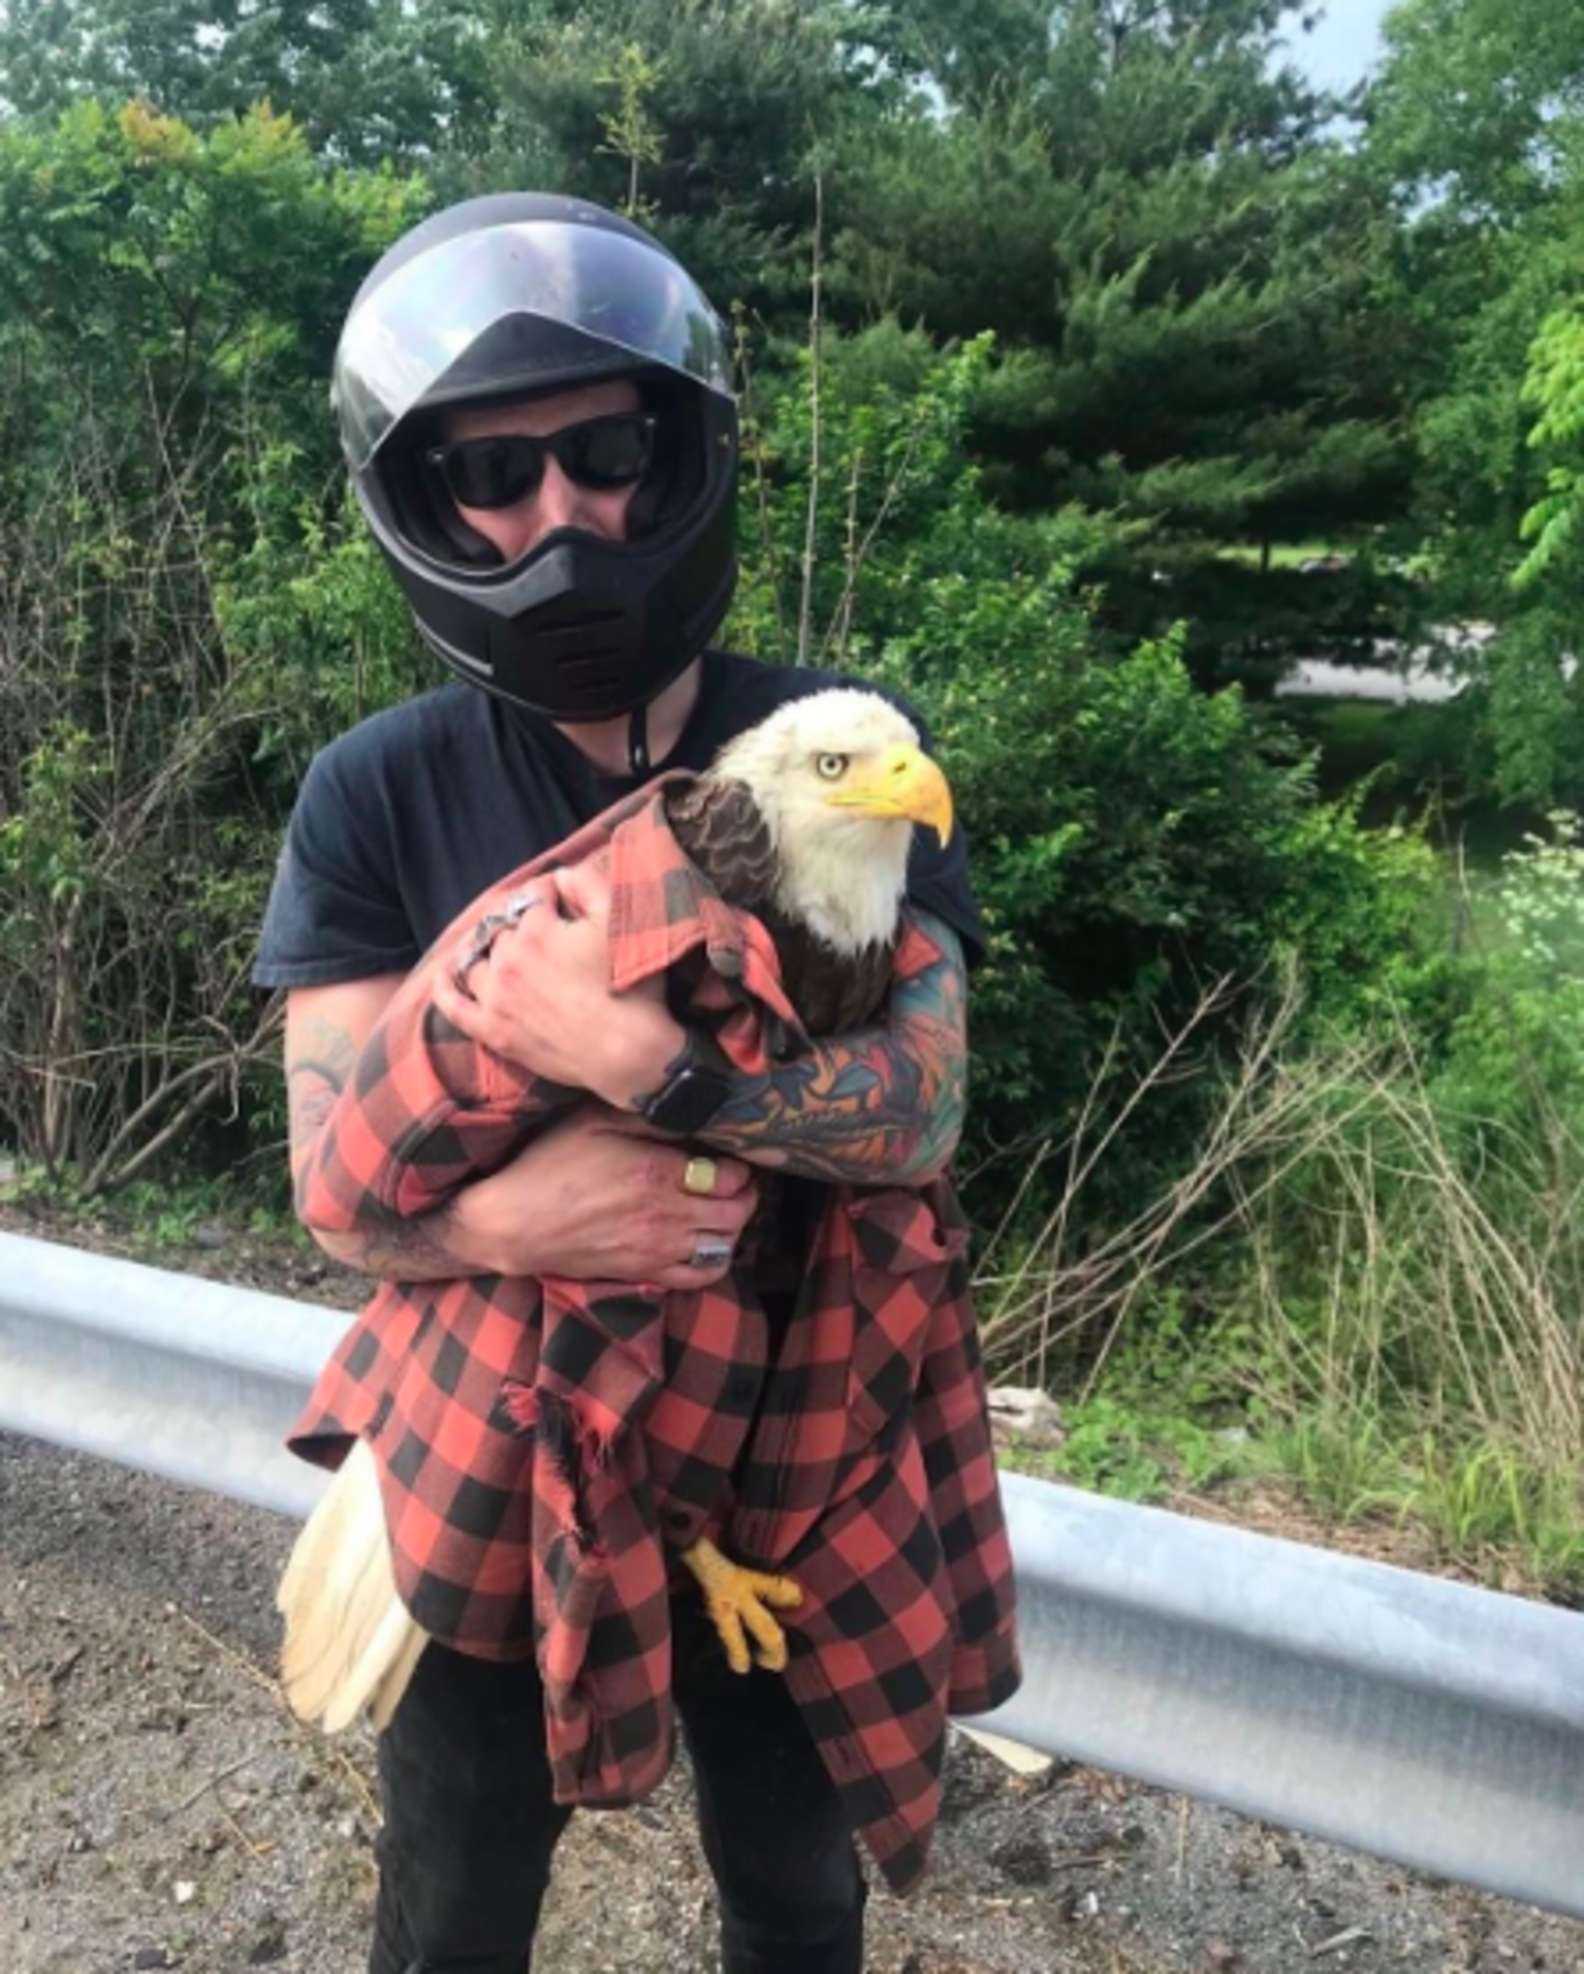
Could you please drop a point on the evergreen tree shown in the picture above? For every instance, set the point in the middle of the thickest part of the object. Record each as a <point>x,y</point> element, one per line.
<point>1182,273</point>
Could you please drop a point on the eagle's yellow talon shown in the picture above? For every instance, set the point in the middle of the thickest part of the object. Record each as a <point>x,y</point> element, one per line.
<point>737,1600</point>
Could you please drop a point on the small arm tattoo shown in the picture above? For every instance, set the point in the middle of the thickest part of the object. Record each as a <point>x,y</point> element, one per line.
<point>415,1250</point>
<point>410,1250</point>
<point>316,1074</point>
<point>879,1104</point>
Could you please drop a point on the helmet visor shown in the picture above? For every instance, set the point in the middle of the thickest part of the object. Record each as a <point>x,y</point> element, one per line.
<point>400,341</point>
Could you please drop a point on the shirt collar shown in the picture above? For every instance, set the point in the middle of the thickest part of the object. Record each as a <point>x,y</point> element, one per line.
<point>663,908</point>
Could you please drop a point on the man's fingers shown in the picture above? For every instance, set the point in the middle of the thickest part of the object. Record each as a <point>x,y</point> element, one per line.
<point>685,1279</point>
<point>458,1007</point>
<point>731,1177</point>
<point>584,889</point>
<point>725,1218</point>
<point>478,1024</point>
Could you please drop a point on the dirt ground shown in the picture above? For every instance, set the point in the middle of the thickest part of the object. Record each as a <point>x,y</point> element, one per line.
<point>160,1808</point>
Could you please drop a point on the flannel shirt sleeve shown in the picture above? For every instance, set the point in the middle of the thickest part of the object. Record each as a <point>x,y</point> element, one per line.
<point>952,1419</point>
<point>425,1111</point>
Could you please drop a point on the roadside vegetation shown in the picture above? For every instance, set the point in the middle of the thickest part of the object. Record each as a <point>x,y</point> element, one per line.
<point>1365,1283</point>
<point>1094,368</point>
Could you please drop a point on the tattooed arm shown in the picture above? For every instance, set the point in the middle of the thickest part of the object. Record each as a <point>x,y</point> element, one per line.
<point>326,1028</point>
<point>595,1197</point>
<point>878,1104</point>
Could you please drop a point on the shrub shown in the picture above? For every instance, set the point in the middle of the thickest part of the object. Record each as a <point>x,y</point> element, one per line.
<point>150,381</point>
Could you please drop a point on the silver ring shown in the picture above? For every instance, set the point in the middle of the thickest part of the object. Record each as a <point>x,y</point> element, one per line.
<point>486,931</point>
<point>709,1251</point>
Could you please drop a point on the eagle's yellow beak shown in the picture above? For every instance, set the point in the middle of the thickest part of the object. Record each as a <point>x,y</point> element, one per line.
<point>903,783</point>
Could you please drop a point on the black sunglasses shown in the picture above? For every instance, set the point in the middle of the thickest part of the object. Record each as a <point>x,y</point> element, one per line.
<point>601,454</point>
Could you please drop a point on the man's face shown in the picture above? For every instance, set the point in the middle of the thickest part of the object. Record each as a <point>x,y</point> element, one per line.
<point>557,502</point>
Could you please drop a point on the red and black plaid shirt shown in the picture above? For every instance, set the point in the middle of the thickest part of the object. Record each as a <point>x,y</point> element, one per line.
<point>544,1446</point>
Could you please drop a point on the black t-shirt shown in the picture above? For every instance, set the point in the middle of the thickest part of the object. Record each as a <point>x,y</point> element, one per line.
<point>403,821</point>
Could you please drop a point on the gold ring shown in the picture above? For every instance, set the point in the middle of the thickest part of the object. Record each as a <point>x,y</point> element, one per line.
<point>698,1176</point>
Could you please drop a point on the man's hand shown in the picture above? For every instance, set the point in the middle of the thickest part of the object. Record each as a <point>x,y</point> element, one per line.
<point>598,1198</point>
<point>540,995</point>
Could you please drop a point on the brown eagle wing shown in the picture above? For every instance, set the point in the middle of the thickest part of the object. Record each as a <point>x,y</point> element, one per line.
<point>720,829</point>
<point>722,833</point>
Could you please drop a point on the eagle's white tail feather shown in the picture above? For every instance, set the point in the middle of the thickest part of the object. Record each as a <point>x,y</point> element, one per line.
<point>382,1702</point>
<point>349,1638</point>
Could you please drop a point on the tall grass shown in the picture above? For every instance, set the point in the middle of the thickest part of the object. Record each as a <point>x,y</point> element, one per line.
<point>1384,1267</point>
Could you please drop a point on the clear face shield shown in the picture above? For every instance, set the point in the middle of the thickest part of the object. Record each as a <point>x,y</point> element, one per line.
<point>422,336</point>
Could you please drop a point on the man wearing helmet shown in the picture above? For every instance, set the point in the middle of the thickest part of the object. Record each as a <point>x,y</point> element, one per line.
<point>535,408</point>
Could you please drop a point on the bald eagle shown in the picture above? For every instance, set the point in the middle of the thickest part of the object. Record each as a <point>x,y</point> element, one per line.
<point>806,820</point>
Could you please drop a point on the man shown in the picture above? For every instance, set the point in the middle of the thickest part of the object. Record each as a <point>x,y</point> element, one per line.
<point>534,404</point>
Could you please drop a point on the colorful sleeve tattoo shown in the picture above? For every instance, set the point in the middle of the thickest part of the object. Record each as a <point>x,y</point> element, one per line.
<point>874,1106</point>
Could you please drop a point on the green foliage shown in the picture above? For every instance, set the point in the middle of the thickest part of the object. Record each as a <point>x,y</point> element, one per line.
<point>301,593</point>
<point>1115,1447</point>
<point>1359,917</point>
<point>1187,305</point>
<point>630,131</point>
<point>41,845</point>
<point>1538,693</point>
<point>1476,128</point>
<point>150,382</point>
<point>130,251</point>
<point>715,110</point>
<point>1512,1074</point>
<point>161,1219</point>
<point>367,80</point>
<point>1555,383</point>
<point>1477,101</point>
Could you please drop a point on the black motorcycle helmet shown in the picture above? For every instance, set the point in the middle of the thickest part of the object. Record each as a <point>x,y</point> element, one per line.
<point>511,296</point>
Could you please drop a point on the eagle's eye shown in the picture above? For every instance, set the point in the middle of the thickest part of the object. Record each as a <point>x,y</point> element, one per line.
<point>830,767</point>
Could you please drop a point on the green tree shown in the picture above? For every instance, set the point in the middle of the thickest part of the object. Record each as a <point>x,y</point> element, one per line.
<point>364,79</point>
<point>1181,273</point>
<point>1476,125</point>
<point>731,102</point>
<point>168,302</point>
<point>1476,104</point>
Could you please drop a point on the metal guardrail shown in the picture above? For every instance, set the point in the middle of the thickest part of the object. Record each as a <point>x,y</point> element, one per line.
<point>192,1379</point>
<point>1429,1722</point>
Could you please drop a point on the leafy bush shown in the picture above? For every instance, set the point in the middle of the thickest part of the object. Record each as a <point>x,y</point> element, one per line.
<point>149,379</point>
<point>1512,1075</point>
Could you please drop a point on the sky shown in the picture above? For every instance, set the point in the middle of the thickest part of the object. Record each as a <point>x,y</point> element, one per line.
<point>1343,45</point>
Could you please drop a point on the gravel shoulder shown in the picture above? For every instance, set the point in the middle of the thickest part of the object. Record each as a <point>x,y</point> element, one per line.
<point>160,1808</point>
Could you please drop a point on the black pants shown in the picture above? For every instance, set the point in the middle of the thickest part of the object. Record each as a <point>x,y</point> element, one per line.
<point>470,1827</point>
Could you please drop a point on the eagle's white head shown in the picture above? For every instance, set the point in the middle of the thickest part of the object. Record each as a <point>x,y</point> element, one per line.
<point>841,780</point>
